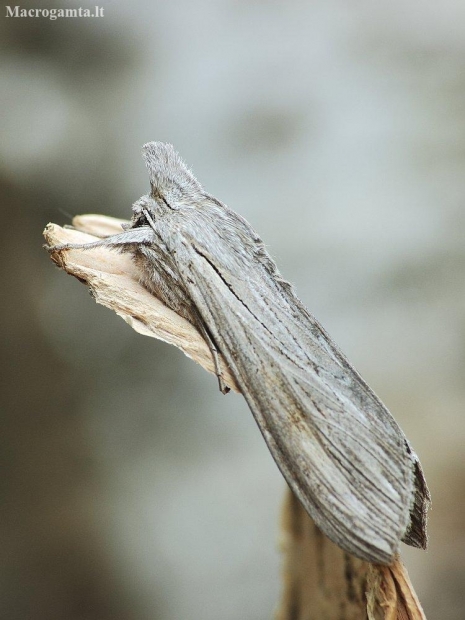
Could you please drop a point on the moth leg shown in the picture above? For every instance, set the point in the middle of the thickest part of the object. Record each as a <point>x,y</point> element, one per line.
<point>224,389</point>
<point>142,234</point>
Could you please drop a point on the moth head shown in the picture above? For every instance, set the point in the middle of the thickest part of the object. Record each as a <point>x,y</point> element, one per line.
<point>172,183</point>
<point>140,208</point>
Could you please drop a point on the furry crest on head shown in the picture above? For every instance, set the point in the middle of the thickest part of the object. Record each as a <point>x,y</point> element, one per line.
<point>169,175</point>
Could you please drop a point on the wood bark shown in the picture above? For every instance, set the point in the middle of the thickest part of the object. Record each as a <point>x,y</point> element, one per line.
<point>320,581</point>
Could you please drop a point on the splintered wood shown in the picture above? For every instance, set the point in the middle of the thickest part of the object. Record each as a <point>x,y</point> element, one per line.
<point>321,581</point>
<point>114,283</point>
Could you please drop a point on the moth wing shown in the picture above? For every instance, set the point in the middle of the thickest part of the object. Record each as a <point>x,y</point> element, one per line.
<point>336,444</point>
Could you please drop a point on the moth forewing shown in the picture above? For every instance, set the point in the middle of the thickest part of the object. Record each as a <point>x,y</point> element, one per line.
<point>336,444</point>
<point>345,470</point>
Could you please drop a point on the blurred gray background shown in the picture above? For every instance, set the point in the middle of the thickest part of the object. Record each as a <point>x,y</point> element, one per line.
<point>131,489</point>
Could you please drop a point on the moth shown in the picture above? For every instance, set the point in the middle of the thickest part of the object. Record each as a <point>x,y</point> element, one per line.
<point>336,444</point>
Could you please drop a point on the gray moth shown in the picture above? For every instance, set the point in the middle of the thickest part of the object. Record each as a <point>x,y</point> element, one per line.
<point>336,444</point>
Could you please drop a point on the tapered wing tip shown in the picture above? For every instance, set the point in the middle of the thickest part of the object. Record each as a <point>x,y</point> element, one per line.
<point>416,534</point>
